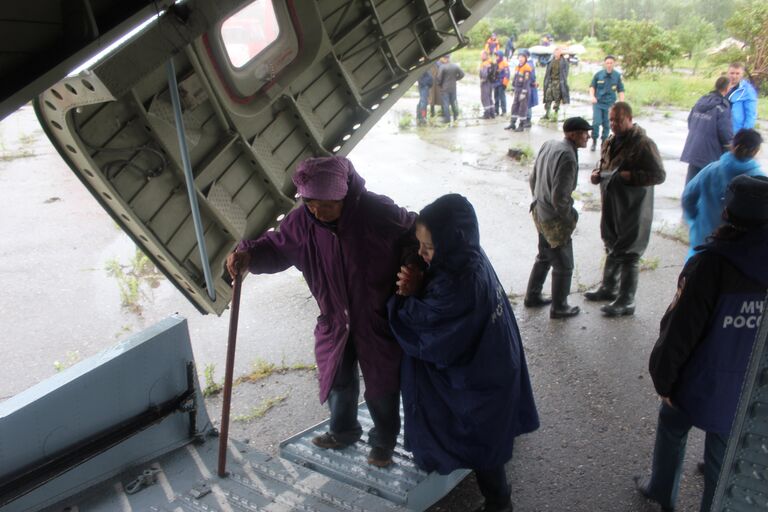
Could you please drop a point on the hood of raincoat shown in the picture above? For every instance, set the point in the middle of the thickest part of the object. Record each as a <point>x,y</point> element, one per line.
<point>452,222</point>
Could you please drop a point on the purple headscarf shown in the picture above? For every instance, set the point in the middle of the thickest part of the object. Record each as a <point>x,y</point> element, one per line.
<point>323,178</point>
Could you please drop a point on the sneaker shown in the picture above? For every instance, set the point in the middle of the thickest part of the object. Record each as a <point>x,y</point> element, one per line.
<point>380,457</point>
<point>328,441</point>
<point>594,146</point>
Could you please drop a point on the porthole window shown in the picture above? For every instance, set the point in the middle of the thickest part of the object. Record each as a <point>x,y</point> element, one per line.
<point>249,31</point>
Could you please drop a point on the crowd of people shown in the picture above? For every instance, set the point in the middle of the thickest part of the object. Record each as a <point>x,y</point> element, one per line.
<point>413,301</point>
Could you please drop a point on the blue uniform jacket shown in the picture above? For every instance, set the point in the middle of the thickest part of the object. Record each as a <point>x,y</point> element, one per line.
<point>709,130</point>
<point>703,195</point>
<point>464,380</point>
<point>743,100</point>
<point>708,332</point>
<point>607,86</point>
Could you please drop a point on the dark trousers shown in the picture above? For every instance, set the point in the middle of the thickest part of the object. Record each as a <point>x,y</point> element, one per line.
<point>669,452</point>
<point>692,171</point>
<point>600,118</point>
<point>559,258</point>
<point>450,104</point>
<point>342,402</point>
<point>500,100</point>
<point>421,109</point>
<point>494,486</point>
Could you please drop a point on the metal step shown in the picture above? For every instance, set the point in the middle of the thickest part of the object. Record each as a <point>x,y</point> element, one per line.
<point>185,480</point>
<point>402,483</point>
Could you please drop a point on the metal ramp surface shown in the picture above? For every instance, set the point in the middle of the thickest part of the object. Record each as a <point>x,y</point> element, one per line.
<point>402,483</point>
<point>743,482</point>
<point>185,480</point>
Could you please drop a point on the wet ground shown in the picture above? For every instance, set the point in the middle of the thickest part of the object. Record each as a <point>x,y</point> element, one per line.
<point>595,399</point>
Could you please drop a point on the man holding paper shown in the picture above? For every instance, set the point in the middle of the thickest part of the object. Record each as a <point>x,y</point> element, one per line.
<point>630,165</point>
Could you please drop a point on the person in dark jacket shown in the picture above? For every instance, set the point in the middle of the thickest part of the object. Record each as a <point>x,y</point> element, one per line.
<point>552,181</point>
<point>425,85</point>
<point>703,196</point>
<point>509,48</point>
<point>556,84</point>
<point>466,390</point>
<point>707,335</point>
<point>447,76</point>
<point>630,165</point>
<point>709,129</point>
<point>348,243</point>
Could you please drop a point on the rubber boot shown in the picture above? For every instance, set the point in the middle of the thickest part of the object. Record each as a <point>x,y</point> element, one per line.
<point>561,287</point>
<point>512,124</point>
<point>546,114</point>
<point>533,297</point>
<point>608,289</point>
<point>625,302</point>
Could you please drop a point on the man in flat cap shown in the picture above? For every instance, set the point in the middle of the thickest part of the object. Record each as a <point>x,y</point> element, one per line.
<point>552,181</point>
<point>348,243</point>
<point>699,362</point>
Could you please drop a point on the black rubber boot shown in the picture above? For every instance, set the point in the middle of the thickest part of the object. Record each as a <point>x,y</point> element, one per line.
<point>533,297</point>
<point>625,302</point>
<point>608,289</point>
<point>512,124</point>
<point>561,287</point>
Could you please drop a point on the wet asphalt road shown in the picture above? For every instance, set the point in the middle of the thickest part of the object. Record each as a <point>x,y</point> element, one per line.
<point>595,399</point>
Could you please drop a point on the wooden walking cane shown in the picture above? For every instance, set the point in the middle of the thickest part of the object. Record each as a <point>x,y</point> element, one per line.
<point>227,398</point>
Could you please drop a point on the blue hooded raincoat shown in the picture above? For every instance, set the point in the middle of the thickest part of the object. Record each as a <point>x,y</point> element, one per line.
<point>703,197</point>
<point>465,386</point>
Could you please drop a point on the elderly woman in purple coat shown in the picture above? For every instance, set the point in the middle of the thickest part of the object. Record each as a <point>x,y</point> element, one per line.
<point>348,243</point>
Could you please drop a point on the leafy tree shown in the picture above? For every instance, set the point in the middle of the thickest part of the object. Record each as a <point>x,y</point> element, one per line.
<point>479,34</point>
<point>641,44</point>
<point>749,23</point>
<point>694,34</point>
<point>528,39</point>
<point>504,27</point>
<point>566,22</point>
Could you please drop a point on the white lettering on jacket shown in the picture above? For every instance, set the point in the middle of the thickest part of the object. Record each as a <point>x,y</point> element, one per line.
<point>749,316</point>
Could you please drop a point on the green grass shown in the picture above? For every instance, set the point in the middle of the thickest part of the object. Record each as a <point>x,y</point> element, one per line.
<point>263,369</point>
<point>261,409</point>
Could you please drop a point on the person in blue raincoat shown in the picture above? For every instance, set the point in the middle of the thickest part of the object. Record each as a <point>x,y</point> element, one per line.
<point>704,195</point>
<point>465,386</point>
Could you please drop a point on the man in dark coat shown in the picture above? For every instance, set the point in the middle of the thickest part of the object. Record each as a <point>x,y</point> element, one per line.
<point>709,130</point>
<point>447,76</point>
<point>552,181</point>
<point>556,84</point>
<point>700,360</point>
<point>466,390</point>
<point>348,244</point>
<point>630,165</point>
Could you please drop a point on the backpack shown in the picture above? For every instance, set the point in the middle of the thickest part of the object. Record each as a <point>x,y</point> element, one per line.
<point>493,72</point>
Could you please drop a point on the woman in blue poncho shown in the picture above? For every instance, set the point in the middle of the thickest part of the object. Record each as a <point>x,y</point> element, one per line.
<point>465,386</point>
